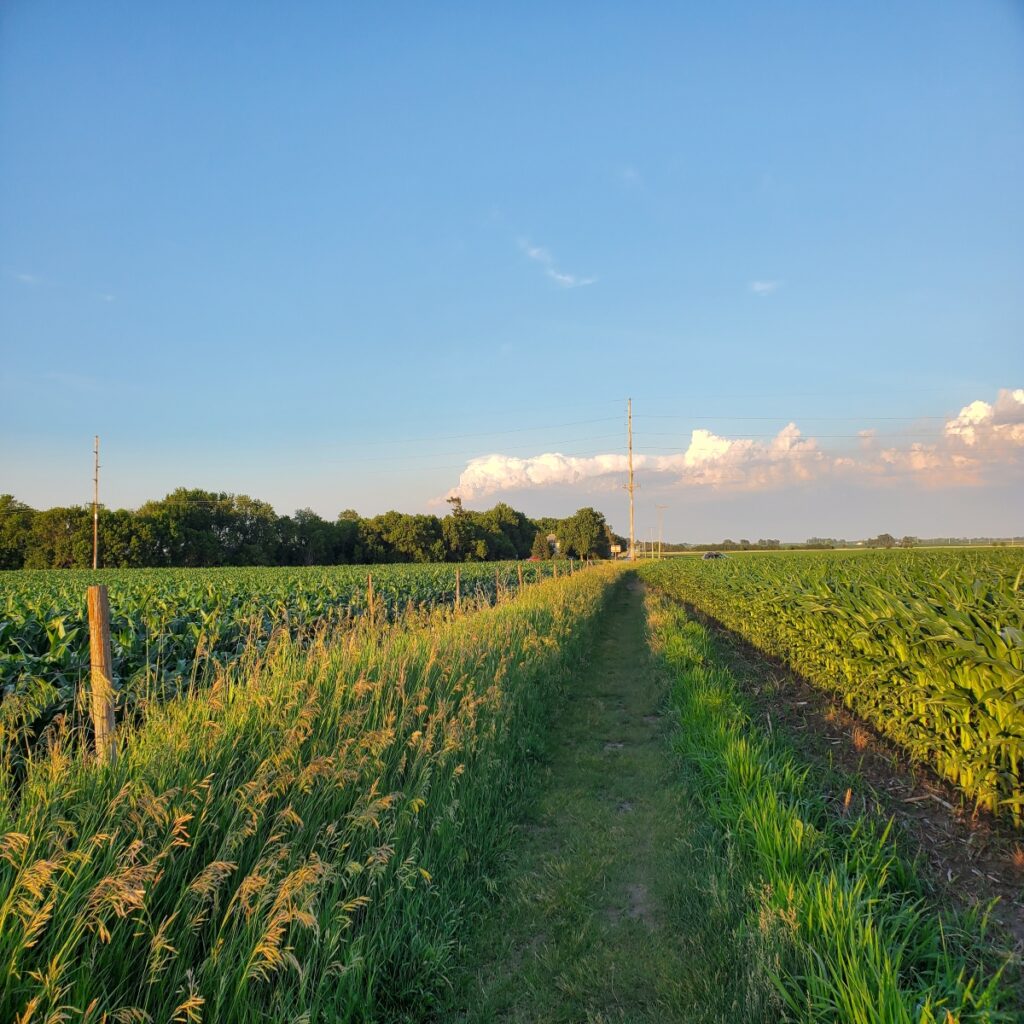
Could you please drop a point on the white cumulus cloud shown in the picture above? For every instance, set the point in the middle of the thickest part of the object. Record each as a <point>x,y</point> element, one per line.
<point>708,460</point>
<point>981,423</point>
<point>491,473</point>
<point>982,437</point>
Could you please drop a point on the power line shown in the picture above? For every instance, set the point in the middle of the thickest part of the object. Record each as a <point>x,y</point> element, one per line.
<point>877,450</point>
<point>492,433</point>
<point>467,454</point>
<point>894,393</point>
<point>852,437</point>
<point>791,417</point>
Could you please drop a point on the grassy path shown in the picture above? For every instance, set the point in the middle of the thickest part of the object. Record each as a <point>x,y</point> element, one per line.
<point>614,908</point>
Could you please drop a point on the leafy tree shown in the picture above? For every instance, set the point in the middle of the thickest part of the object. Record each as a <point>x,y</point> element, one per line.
<point>464,539</point>
<point>61,538</point>
<point>346,537</point>
<point>122,544</point>
<point>517,530</point>
<point>187,525</point>
<point>192,527</point>
<point>489,538</point>
<point>412,538</point>
<point>547,525</point>
<point>541,546</point>
<point>306,539</point>
<point>371,546</point>
<point>584,534</point>
<point>15,531</point>
<point>247,531</point>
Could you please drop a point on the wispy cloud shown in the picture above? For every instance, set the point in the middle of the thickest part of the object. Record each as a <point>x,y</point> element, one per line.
<point>33,280</point>
<point>982,442</point>
<point>630,176</point>
<point>71,382</point>
<point>563,279</point>
<point>765,288</point>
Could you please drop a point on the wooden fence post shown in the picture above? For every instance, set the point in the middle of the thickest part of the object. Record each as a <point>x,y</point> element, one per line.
<point>458,589</point>
<point>369,598</point>
<point>554,570</point>
<point>101,675</point>
<point>520,568</point>
<point>497,585</point>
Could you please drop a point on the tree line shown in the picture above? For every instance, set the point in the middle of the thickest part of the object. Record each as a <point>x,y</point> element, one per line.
<point>883,540</point>
<point>195,528</point>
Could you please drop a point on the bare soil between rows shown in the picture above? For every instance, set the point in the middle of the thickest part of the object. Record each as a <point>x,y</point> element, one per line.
<point>967,856</point>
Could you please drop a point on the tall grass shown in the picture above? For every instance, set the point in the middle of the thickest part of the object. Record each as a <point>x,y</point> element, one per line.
<point>298,843</point>
<point>859,942</point>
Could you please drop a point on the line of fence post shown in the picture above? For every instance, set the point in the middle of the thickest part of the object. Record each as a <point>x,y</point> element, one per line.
<point>101,674</point>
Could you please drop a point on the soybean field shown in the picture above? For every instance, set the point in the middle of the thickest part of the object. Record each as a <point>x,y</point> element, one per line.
<point>169,626</point>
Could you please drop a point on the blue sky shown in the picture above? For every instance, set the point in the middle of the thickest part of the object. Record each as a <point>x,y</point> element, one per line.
<point>330,254</point>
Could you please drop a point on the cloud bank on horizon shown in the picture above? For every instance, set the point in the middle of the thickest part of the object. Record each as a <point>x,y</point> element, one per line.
<point>983,437</point>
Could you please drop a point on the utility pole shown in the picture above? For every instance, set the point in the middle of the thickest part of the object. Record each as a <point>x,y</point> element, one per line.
<point>661,527</point>
<point>96,505</point>
<point>629,429</point>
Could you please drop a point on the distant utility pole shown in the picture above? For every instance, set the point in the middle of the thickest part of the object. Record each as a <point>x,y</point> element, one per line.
<point>661,527</point>
<point>96,504</point>
<point>629,428</point>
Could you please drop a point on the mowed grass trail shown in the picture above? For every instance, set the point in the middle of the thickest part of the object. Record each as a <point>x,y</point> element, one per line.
<point>615,907</point>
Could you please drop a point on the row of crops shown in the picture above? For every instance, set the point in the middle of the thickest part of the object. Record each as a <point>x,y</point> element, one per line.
<point>927,646</point>
<point>310,841</point>
<point>169,625</point>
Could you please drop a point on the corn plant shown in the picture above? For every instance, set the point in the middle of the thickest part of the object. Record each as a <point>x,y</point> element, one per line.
<point>851,931</point>
<point>927,646</point>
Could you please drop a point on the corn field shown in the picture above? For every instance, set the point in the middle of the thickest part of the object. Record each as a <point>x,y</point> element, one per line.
<point>927,646</point>
<point>853,934</point>
<point>299,842</point>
